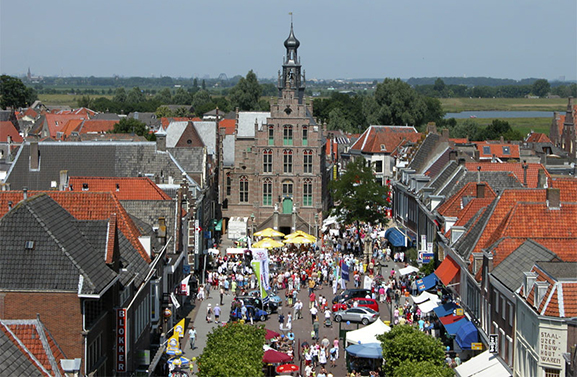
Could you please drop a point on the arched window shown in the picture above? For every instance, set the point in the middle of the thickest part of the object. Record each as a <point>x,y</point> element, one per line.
<point>307,192</point>
<point>243,189</point>
<point>228,184</point>
<point>267,161</point>
<point>288,161</point>
<point>305,136</point>
<point>287,189</point>
<point>308,161</point>
<point>267,192</point>
<point>287,134</point>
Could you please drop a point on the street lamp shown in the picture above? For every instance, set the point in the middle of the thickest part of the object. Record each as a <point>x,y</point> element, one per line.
<point>252,225</point>
<point>316,225</point>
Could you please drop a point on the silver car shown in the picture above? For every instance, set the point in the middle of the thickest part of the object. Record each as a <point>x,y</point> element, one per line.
<point>359,314</point>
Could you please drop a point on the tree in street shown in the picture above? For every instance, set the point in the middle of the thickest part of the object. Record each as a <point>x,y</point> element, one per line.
<point>358,196</point>
<point>246,93</point>
<point>234,349</point>
<point>407,345</point>
<point>422,369</point>
<point>14,94</point>
<point>132,126</point>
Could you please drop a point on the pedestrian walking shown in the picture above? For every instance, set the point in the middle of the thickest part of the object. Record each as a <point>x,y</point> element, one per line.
<point>192,337</point>
<point>217,313</point>
<point>209,313</point>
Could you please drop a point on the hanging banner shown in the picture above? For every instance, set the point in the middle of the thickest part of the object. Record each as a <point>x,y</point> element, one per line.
<point>345,271</point>
<point>259,254</point>
<point>257,268</point>
<point>121,340</point>
<point>184,288</point>
<point>179,328</point>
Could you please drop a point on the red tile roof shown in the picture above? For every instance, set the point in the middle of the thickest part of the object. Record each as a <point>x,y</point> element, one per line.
<point>96,126</point>
<point>560,300</point>
<point>514,167</point>
<point>384,139</point>
<point>454,205</point>
<point>125,188</point>
<point>464,140</point>
<point>86,206</point>
<point>27,338</point>
<point>228,125</point>
<point>57,122</point>
<point>537,137</point>
<point>500,150</point>
<point>72,125</point>
<point>7,129</point>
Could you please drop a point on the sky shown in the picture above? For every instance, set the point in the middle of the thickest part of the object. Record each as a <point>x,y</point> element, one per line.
<point>339,39</point>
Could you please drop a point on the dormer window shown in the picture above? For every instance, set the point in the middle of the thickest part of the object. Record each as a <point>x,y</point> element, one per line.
<point>85,187</point>
<point>29,245</point>
<point>506,151</point>
<point>383,148</point>
<point>486,149</point>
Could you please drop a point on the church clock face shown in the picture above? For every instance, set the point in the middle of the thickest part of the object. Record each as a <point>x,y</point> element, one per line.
<point>288,110</point>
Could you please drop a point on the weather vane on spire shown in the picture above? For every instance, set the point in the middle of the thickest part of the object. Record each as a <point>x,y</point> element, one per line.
<point>291,14</point>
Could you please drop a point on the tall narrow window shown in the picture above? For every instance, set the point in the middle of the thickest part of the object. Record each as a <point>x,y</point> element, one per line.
<point>288,135</point>
<point>267,161</point>
<point>267,192</point>
<point>228,184</point>
<point>308,161</point>
<point>243,189</point>
<point>288,161</point>
<point>271,135</point>
<point>287,189</point>
<point>305,136</point>
<point>308,192</point>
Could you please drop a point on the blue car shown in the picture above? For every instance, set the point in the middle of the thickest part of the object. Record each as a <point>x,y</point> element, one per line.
<point>259,314</point>
<point>271,296</point>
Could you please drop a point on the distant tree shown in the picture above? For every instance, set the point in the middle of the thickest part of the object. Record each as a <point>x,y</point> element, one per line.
<point>119,95</point>
<point>234,349</point>
<point>440,87</point>
<point>246,94</point>
<point>541,88</point>
<point>200,100</point>
<point>203,85</point>
<point>195,83</point>
<point>132,126</point>
<point>337,120</point>
<point>223,104</point>
<point>468,128</point>
<point>135,95</point>
<point>269,90</point>
<point>358,196</point>
<point>406,344</point>
<point>84,101</point>
<point>14,94</point>
<point>163,112</point>
<point>164,96</point>
<point>181,97</point>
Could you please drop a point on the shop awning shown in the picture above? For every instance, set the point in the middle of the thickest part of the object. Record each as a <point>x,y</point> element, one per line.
<point>427,282</point>
<point>466,335</point>
<point>428,306</point>
<point>447,270</point>
<point>448,319</point>
<point>453,328</point>
<point>396,237</point>
<point>484,365</point>
<point>424,296</point>
<point>445,309</point>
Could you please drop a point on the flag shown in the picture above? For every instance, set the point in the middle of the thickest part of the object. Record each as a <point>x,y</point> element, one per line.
<point>184,288</point>
<point>179,328</point>
<point>345,271</point>
<point>173,342</point>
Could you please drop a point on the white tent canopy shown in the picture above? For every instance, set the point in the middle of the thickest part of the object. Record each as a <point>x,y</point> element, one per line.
<point>486,364</point>
<point>424,297</point>
<point>368,334</point>
<point>407,270</point>
<point>428,306</point>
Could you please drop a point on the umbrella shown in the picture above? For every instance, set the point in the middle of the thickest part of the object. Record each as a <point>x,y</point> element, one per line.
<point>272,357</point>
<point>301,233</point>
<point>173,351</point>
<point>368,350</point>
<point>287,368</point>
<point>267,243</point>
<point>299,240</point>
<point>271,334</point>
<point>178,361</point>
<point>268,232</point>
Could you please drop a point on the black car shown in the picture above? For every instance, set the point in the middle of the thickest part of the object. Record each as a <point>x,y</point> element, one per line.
<point>269,307</point>
<point>351,293</point>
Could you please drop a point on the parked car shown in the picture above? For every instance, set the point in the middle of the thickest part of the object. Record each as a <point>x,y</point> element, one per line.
<point>271,296</point>
<point>362,315</point>
<point>259,314</point>
<point>351,293</point>
<point>270,307</point>
<point>361,302</point>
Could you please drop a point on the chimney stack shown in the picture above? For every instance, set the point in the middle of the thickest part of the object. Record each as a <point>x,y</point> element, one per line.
<point>479,174</point>
<point>553,198</point>
<point>161,140</point>
<point>34,155</point>
<point>25,193</point>
<point>525,168</point>
<point>63,180</point>
<point>480,190</point>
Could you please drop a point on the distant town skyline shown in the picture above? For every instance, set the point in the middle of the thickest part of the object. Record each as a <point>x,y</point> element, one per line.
<point>339,40</point>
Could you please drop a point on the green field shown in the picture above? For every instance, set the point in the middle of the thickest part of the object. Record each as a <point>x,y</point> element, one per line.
<point>456,105</point>
<point>523,125</point>
<point>65,99</point>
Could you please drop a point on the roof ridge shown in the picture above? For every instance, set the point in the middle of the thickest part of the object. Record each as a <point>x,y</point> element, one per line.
<point>560,299</point>
<point>42,335</point>
<point>25,349</point>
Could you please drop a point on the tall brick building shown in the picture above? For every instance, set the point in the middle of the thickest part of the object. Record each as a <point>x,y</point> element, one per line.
<point>273,165</point>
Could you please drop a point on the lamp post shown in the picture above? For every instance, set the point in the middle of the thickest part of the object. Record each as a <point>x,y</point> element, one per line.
<point>252,225</point>
<point>316,225</point>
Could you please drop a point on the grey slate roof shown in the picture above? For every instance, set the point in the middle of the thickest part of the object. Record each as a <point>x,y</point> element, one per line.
<point>510,270</point>
<point>423,154</point>
<point>246,121</point>
<point>13,361</point>
<point>446,173</point>
<point>207,132</point>
<point>559,270</point>
<point>498,180</point>
<point>93,159</point>
<point>61,252</point>
<point>465,245</point>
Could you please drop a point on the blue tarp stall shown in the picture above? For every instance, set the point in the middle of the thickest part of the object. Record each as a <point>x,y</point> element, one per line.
<point>396,237</point>
<point>445,309</point>
<point>453,328</point>
<point>367,350</point>
<point>427,282</point>
<point>466,335</point>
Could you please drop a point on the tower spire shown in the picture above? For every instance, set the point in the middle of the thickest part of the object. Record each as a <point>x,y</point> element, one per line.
<point>292,78</point>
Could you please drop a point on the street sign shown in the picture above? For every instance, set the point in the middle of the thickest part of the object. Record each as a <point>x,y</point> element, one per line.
<point>459,311</point>
<point>493,343</point>
<point>477,346</point>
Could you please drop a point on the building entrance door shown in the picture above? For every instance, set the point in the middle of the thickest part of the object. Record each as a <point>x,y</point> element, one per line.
<point>287,206</point>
